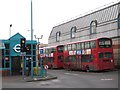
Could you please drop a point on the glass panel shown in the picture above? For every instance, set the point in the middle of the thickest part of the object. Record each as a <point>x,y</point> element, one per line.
<point>60,58</point>
<point>72,58</point>
<point>73,30</point>
<point>60,48</point>
<point>93,44</point>
<point>73,34</point>
<point>58,36</point>
<point>78,46</point>
<point>104,43</point>
<point>69,47</point>
<point>73,46</point>
<point>50,59</point>
<point>46,51</point>
<point>7,65</point>
<point>93,27</point>
<point>105,55</point>
<point>52,50</point>
<point>82,45</point>
<point>119,20</point>
<point>34,52</point>
<point>65,48</point>
<point>87,45</point>
<point>87,58</point>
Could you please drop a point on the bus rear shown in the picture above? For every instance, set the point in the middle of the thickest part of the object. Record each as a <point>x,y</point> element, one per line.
<point>59,56</point>
<point>54,56</point>
<point>105,54</point>
<point>49,54</point>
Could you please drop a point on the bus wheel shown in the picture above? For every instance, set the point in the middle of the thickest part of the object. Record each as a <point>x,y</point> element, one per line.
<point>87,69</point>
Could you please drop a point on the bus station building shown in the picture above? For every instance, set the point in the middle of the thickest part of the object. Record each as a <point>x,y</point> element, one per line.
<point>104,22</point>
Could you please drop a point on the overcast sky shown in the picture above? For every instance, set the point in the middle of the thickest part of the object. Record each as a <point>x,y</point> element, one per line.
<point>46,15</point>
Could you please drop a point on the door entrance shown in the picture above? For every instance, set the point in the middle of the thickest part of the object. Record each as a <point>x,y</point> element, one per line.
<point>16,65</point>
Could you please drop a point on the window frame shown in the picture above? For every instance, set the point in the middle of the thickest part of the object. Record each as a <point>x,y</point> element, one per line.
<point>93,27</point>
<point>119,21</point>
<point>58,36</point>
<point>72,32</point>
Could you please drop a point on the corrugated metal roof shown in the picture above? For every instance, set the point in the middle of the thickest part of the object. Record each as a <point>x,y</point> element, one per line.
<point>102,15</point>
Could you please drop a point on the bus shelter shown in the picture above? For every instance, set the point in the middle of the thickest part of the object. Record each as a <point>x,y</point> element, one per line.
<point>11,57</point>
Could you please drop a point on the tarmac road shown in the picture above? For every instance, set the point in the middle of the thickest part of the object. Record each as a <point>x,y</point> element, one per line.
<point>67,79</point>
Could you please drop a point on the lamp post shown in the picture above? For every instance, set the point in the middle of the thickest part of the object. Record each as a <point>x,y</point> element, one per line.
<point>9,50</point>
<point>31,41</point>
<point>37,59</point>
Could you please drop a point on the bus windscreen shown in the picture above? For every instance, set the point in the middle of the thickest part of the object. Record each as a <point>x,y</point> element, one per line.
<point>104,43</point>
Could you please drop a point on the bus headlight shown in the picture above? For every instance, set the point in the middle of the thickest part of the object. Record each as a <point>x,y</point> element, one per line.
<point>111,60</point>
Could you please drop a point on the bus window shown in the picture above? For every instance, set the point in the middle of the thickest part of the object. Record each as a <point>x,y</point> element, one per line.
<point>93,44</point>
<point>46,51</point>
<point>105,55</point>
<point>87,45</point>
<point>74,58</point>
<point>78,46</point>
<point>52,50</point>
<point>60,49</point>
<point>60,58</point>
<point>104,43</point>
<point>87,58</point>
<point>66,59</point>
<point>69,47</point>
<point>73,46</point>
<point>82,45</point>
<point>51,59</point>
<point>69,59</point>
<point>65,48</point>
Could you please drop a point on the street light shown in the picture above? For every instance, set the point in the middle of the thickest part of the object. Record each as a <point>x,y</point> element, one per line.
<point>38,38</point>
<point>37,58</point>
<point>10,30</point>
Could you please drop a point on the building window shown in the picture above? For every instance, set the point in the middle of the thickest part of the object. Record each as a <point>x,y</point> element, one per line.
<point>73,31</point>
<point>119,21</point>
<point>93,27</point>
<point>58,36</point>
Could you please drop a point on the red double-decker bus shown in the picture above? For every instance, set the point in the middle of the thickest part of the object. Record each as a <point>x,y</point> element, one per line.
<point>53,56</point>
<point>90,55</point>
